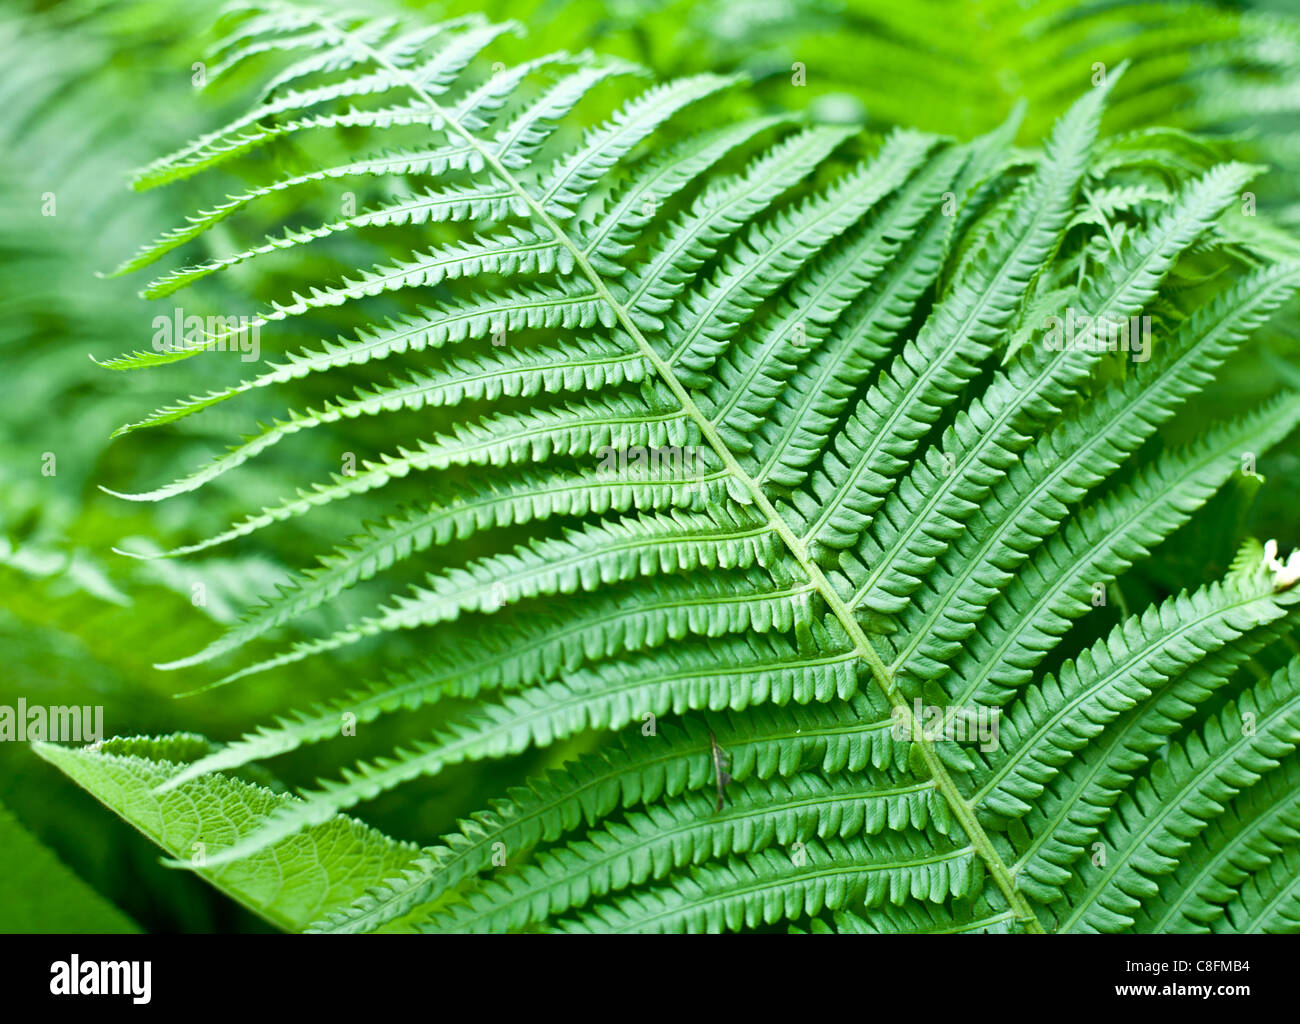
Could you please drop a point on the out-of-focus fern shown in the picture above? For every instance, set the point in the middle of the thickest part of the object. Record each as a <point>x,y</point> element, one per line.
<point>79,626</point>
<point>959,65</point>
<point>879,489</point>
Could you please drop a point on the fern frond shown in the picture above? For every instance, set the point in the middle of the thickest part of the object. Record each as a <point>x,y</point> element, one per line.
<point>899,492</point>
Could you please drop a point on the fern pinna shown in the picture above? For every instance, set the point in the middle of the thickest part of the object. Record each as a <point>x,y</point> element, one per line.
<point>750,440</point>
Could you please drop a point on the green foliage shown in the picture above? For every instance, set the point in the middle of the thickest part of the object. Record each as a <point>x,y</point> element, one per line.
<point>878,489</point>
<point>290,884</point>
<point>32,873</point>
